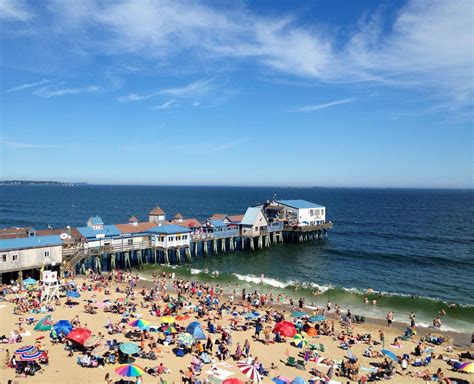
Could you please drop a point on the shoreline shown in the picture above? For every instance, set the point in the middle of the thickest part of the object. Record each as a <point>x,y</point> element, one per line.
<point>460,339</point>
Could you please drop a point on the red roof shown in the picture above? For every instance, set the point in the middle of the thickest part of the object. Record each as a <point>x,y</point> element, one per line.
<point>14,232</point>
<point>178,216</point>
<point>132,219</point>
<point>131,228</point>
<point>189,223</point>
<point>218,216</point>
<point>235,218</point>
<point>157,211</point>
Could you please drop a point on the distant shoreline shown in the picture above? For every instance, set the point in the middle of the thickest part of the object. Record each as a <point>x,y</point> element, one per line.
<point>39,182</point>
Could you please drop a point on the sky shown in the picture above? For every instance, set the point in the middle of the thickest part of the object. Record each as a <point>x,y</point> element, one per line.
<point>296,93</point>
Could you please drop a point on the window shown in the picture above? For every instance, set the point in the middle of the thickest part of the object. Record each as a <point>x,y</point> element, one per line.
<point>15,257</point>
<point>130,241</point>
<point>185,237</point>
<point>311,212</point>
<point>3,258</point>
<point>46,254</point>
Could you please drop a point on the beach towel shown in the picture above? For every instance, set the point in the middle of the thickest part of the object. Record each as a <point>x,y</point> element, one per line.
<point>26,333</point>
<point>368,369</point>
<point>219,373</point>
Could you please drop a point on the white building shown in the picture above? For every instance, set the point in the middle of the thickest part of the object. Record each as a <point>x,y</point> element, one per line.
<point>170,236</point>
<point>29,255</point>
<point>302,212</point>
<point>157,215</point>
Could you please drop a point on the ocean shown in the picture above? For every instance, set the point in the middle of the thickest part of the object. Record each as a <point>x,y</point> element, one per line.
<point>412,248</point>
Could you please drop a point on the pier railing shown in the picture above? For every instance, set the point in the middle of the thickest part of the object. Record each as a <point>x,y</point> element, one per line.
<point>308,228</point>
<point>275,226</point>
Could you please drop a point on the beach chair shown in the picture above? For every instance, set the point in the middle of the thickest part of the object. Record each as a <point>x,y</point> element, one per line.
<point>291,362</point>
<point>321,347</point>
<point>300,364</point>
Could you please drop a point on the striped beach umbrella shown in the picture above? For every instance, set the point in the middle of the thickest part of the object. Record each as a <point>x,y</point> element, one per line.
<point>250,371</point>
<point>100,350</point>
<point>467,367</point>
<point>169,330</point>
<point>25,349</point>
<point>186,339</point>
<point>92,341</point>
<point>300,341</point>
<point>129,348</point>
<point>31,356</point>
<point>129,370</point>
<point>140,323</point>
<point>45,324</point>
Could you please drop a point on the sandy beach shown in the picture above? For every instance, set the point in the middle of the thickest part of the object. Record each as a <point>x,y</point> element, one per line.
<point>62,368</point>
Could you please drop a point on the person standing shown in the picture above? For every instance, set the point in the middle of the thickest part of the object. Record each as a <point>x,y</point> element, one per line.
<point>390,318</point>
<point>412,320</point>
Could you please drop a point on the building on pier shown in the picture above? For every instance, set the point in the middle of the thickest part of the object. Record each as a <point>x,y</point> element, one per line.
<point>157,215</point>
<point>170,236</point>
<point>254,223</point>
<point>300,212</point>
<point>28,256</point>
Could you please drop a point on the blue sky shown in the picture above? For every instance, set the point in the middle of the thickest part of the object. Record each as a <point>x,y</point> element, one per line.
<point>329,93</point>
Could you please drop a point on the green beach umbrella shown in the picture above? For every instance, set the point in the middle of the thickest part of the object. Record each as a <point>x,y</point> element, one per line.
<point>45,324</point>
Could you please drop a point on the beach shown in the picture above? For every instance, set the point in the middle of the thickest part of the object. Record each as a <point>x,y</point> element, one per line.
<point>273,356</point>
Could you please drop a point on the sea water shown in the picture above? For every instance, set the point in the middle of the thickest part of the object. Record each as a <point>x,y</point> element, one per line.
<point>412,248</point>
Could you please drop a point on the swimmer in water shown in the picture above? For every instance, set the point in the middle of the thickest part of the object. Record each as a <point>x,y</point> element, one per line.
<point>366,300</point>
<point>374,302</point>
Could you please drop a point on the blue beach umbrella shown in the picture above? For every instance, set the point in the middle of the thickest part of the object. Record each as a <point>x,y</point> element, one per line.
<point>298,314</point>
<point>315,319</point>
<point>73,294</point>
<point>298,380</point>
<point>29,281</point>
<point>390,354</point>
<point>195,329</point>
<point>63,326</point>
<point>250,316</point>
<point>129,348</point>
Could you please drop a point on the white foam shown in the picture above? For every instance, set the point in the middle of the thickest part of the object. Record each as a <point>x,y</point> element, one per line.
<point>261,280</point>
<point>195,271</point>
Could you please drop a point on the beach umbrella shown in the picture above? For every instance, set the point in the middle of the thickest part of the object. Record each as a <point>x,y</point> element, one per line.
<point>169,330</point>
<point>45,324</point>
<point>79,335</point>
<point>182,317</point>
<point>63,326</point>
<point>92,341</point>
<point>129,370</point>
<point>285,328</point>
<point>280,379</point>
<point>25,349</point>
<point>390,354</point>
<point>195,329</point>
<point>298,380</point>
<point>129,348</point>
<point>140,323</point>
<point>312,332</point>
<point>31,356</point>
<point>233,380</point>
<point>298,314</point>
<point>186,339</point>
<point>467,367</point>
<point>73,294</point>
<point>167,319</point>
<point>300,341</point>
<point>29,281</point>
<point>250,371</point>
<point>315,319</point>
<point>250,316</point>
<point>100,350</point>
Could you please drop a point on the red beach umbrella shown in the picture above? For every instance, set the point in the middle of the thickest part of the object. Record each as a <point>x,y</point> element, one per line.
<point>79,335</point>
<point>285,328</point>
<point>233,380</point>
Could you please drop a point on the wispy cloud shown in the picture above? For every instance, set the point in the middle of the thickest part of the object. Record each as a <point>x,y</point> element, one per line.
<point>166,105</point>
<point>191,90</point>
<point>20,145</point>
<point>14,10</point>
<point>26,86</point>
<point>56,90</point>
<point>317,107</point>
<point>228,145</point>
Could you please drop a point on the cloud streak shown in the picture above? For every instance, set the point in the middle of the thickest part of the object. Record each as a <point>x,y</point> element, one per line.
<point>194,89</point>
<point>20,145</point>
<point>14,10</point>
<point>166,105</point>
<point>26,86</point>
<point>318,107</point>
<point>55,90</point>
